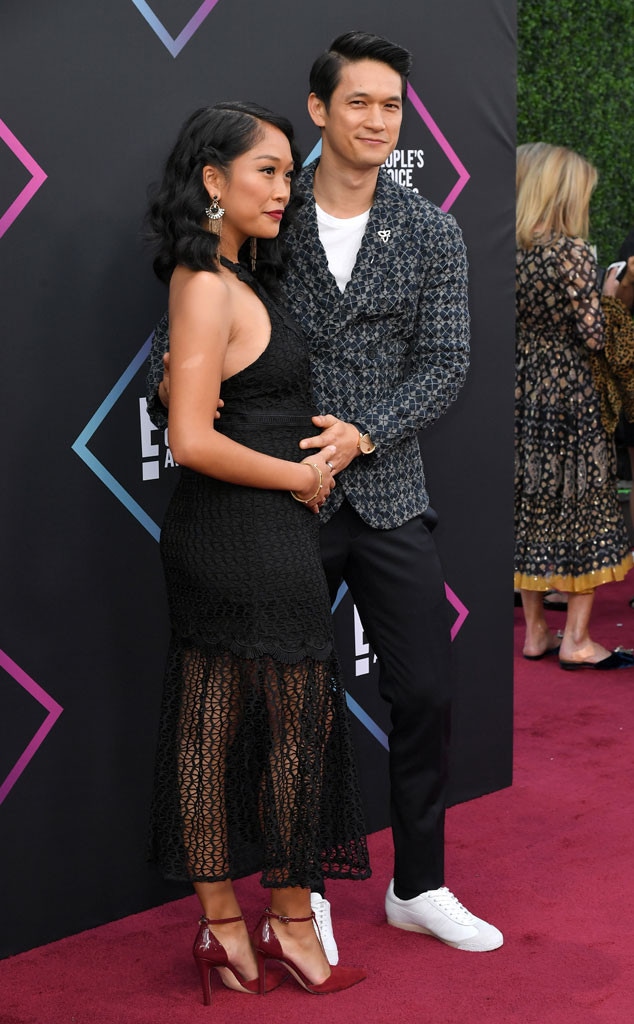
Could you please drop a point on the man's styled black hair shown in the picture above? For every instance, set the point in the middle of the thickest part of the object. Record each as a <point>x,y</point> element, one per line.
<point>350,47</point>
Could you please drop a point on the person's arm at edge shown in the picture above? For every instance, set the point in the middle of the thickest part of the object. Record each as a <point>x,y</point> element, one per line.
<point>160,344</point>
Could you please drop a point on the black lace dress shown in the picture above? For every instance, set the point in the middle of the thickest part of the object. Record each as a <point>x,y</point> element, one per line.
<point>255,769</point>
<point>570,531</point>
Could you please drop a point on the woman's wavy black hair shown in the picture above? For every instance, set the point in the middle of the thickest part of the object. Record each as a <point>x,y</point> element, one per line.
<point>211,135</point>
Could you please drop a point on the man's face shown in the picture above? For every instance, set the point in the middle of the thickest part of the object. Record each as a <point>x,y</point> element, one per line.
<point>360,128</point>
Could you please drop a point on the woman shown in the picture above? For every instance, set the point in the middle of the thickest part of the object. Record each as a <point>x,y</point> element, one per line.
<point>569,529</point>
<point>254,765</point>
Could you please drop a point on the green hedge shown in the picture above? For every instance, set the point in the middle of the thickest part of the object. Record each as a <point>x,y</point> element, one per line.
<point>576,88</point>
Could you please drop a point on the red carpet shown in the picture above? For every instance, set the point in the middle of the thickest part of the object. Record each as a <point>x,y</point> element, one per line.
<point>550,861</point>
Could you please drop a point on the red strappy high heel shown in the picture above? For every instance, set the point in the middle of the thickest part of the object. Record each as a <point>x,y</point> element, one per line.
<point>210,954</point>
<point>267,947</point>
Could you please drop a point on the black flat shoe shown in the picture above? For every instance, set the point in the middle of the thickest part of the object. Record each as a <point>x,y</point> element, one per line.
<point>617,659</point>
<point>544,654</point>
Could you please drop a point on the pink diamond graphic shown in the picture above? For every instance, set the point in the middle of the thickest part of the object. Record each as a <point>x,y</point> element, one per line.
<point>175,45</point>
<point>54,711</point>
<point>456,603</point>
<point>38,177</point>
<point>441,141</point>
<point>463,174</point>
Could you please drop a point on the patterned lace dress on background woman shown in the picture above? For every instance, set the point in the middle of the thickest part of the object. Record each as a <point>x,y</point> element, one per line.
<point>255,768</point>
<point>570,531</point>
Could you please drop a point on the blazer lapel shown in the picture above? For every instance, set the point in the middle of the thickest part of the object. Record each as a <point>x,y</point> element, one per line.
<point>309,256</point>
<point>374,285</point>
<point>373,281</point>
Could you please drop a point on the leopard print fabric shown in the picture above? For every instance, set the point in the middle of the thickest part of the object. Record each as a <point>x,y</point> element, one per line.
<point>613,368</point>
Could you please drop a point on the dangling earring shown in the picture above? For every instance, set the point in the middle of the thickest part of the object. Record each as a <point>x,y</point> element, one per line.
<point>253,253</point>
<point>215,213</point>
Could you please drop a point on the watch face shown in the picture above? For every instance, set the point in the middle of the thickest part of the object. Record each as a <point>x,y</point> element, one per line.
<point>366,444</point>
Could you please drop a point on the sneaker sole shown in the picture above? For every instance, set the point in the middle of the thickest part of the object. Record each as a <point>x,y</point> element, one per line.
<point>468,945</point>
<point>411,928</point>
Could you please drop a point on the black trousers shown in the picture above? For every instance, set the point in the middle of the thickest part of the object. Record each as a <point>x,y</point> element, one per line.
<point>396,581</point>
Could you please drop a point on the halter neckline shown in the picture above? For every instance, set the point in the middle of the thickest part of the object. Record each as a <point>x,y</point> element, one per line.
<point>241,272</point>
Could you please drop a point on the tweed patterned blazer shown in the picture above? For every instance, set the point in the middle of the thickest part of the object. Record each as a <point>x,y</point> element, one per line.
<point>390,354</point>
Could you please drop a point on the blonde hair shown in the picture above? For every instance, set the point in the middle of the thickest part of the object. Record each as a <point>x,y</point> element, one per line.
<point>553,190</point>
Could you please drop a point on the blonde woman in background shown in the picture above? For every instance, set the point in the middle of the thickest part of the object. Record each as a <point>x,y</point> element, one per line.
<point>570,533</point>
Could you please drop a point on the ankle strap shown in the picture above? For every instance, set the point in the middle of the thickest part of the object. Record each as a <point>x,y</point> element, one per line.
<point>219,920</point>
<point>287,920</point>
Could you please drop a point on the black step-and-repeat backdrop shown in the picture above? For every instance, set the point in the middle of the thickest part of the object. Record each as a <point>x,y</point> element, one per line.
<point>91,97</point>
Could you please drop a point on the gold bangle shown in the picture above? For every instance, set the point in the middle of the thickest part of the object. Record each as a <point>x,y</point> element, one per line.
<point>306,501</point>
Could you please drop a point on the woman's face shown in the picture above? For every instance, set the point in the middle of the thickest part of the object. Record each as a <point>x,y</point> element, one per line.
<point>255,191</point>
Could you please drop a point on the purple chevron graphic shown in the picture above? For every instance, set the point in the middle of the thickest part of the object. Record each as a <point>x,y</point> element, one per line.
<point>463,174</point>
<point>54,711</point>
<point>38,177</point>
<point>175,45</point>
<point>462,610</point>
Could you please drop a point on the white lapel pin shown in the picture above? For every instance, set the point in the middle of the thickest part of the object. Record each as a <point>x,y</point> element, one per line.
<point>384,235</point>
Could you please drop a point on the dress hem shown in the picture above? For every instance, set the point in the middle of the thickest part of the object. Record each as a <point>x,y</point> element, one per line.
<point>575,584</point>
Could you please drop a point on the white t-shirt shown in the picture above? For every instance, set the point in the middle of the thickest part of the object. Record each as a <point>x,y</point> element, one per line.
<point>341,238</point>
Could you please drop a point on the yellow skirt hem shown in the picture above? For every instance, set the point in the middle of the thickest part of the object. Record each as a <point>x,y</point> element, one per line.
<point>575,584</point>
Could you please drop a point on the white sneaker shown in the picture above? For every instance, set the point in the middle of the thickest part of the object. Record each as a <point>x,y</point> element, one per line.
<point>323,926</point>
<point>438,913</point>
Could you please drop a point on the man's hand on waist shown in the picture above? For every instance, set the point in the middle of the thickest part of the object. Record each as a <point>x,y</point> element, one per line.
<point>344,436</point>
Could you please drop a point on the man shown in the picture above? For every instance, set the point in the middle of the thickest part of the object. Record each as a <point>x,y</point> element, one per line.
<point>377,278</point>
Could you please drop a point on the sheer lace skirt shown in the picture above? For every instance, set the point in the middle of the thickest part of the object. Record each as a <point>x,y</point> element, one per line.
<point>255,771</point>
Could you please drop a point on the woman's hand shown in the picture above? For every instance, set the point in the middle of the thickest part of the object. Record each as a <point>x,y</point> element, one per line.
<point>323,461</point>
